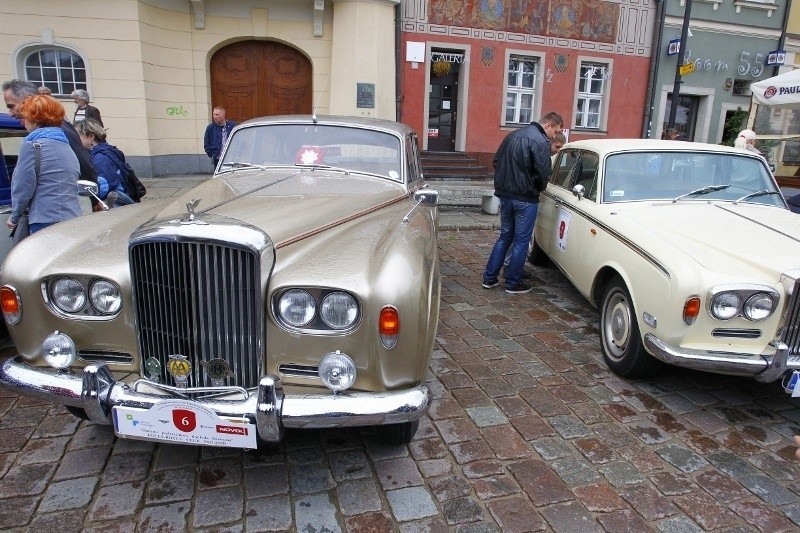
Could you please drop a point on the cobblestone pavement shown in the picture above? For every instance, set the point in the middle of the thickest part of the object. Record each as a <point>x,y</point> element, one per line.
<point>529,432</point>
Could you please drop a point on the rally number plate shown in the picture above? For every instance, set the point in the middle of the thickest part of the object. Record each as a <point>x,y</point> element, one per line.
<point>183,422</point>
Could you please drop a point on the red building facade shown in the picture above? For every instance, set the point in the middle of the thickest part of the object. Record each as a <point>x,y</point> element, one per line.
<point>473,70</point>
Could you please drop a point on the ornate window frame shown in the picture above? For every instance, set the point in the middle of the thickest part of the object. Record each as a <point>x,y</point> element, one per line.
<point>59,87</point>
<point>534,91</point>
<point>603,95</point>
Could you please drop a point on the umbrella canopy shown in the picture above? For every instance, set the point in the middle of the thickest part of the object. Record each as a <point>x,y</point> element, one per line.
<point>782,90</point>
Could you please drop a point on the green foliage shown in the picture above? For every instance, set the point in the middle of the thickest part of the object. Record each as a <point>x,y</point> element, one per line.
<point>735,123</point>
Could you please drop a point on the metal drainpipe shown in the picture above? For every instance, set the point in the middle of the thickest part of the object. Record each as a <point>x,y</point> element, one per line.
<point>397,63</point>
<point>782,39</point>
<point>655,60</point>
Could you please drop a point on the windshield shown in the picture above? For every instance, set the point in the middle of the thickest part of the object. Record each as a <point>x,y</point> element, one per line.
<point>688,176</point>
<point>315,145</point>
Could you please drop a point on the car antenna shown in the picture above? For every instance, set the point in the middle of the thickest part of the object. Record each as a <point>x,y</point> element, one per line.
<point>324,87</point>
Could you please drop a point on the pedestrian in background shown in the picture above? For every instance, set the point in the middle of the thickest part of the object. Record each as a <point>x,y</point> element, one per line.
<point>15,92</point>
<point>45,90</point>
<point>558,142</point>
<point>84,110</point>
<point>746,140</point>
<point>217,134</point>
<point>522,167</point>
<point>108,160</point>
<point>45,190</point>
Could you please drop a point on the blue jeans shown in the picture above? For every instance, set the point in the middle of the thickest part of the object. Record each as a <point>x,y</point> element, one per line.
<point>38,226</point>
<point>516,226</point>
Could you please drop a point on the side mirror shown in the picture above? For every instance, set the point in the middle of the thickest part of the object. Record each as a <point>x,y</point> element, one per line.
<point>579,191</point>
<point>427,197</point>
<point>87,188</point>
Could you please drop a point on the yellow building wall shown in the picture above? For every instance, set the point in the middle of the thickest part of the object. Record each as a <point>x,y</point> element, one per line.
<point>148,63</point>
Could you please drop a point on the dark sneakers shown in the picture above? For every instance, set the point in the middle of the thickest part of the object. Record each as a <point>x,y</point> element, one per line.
<point>519,288</point>
<point>490,285</point>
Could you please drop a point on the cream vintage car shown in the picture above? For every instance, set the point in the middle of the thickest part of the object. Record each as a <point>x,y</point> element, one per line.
<point>687,249</point>
<point>297,288</point>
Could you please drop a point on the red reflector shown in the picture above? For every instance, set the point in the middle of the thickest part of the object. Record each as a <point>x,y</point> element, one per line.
<point>389,323</point>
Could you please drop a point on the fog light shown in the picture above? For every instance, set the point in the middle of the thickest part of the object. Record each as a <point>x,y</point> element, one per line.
<point>58,350</point>
<point>337,371</point>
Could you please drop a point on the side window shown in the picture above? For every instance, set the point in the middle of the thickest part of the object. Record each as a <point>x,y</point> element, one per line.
<point>412,157</point>
<point>521,89</point>
<point>566,165</point>
<point>587,175</point>
<point>59,69</point>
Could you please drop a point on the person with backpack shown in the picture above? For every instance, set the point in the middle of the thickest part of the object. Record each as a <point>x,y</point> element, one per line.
<point>108,160</point>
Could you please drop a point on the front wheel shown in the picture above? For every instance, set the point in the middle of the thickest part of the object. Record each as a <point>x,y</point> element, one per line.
<point>393,434</point>
<point>620,338</point>
<point>535,254</point>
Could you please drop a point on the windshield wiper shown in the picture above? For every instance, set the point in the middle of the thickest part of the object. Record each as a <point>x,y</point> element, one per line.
<point>312,166</point>
<point>233,165</point>
<point>755,194</point>
<point>702,190</point>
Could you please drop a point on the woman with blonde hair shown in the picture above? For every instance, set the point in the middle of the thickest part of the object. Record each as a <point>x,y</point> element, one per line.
<point>44,184</point>
<point>746,141</point>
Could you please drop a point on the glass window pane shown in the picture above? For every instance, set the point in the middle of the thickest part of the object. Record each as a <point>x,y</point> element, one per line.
<point>525,116</point>
<point>32,74</point>
<point>32,60</point>
<point>66,75</point>
<point>48,58</point>
<point>597,86</point>
<point>80,76</point>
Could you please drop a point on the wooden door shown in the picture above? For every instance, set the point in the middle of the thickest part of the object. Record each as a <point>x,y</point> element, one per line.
<point>260,78</point>
<point>443,112</point>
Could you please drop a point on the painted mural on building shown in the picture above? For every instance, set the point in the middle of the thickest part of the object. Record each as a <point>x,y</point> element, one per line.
<point>592,20</point>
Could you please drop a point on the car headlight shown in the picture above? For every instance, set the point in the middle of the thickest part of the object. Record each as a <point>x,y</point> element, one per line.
<point>759,306</point>
<point>339,310</point>
<point>68,295</point>
<point>726,305</point>
<point>59,350</point>
<point>297,307</point>
<point>105,297</point>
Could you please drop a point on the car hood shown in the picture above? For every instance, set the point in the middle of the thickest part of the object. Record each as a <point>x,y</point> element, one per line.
<point>722,237</point>
<point>287,204</point>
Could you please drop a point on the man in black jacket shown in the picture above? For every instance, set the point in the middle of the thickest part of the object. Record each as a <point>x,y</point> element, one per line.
<point>521,170</point>
<point>15,92</point>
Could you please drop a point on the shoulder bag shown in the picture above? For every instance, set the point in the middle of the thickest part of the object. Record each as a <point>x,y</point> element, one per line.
<point>22,229</point>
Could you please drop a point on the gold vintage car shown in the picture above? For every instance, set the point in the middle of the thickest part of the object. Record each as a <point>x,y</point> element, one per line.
<point>299,287</point>
<point>687,249</point>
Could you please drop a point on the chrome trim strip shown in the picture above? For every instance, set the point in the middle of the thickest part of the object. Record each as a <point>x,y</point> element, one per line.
<point>96,391</point>
<point>765,367</point>
<point>624,240</point>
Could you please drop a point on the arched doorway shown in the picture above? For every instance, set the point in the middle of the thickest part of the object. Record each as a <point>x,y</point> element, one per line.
<point>260,78</point>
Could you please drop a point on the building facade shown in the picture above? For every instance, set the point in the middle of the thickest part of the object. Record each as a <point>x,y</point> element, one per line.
<point>728,45</point>
<point>155,68</point>
<point>471,71</point>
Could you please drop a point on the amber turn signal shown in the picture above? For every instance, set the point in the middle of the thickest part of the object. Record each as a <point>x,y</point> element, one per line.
<point>691,309</point>
<point>9,302</point>
<point>389,326</point>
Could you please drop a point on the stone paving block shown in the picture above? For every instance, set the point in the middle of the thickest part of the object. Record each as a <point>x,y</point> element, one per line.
<point>222,472</point>
<point>569,426</point>
<point>435,467</point>
<point>306,479</point>
<point>486,416</point>
<point>92,436</point>
<point>426,525</point>
<point>420,449</point>
<point>575,471</point>
<point>316,512</point>
<point>167,517</point>
<point>116,501</point>
<point>516,515</point>
<point>461,511</point>
<point>18,512</point>
<point>682,458</point>
<point>69,494</point>
<point>492,487</point>
<point>170,486</point>
<point>170,456</point>
<point>43,450</point>
<point>22,416</point>
<point>61,521</point>
<point>266,480</point>
<point>412,503</point>
<point>126,468</point>
<point>26,480</point>
<point>624,520</point>
<point>358,497</point>
<point>79,463</point>
<point>768,490</point>
<point>678,524</point>
<point>551,448</point>
<point>215,507</point>
<point>506,442</point>
<point>273,513</point>
<point>731,464</point>
<point>648,502</point>
<point>540,483</point>
<point>569,517</point>
<point>398,473</point>
<point>57,426</point>
<point>621,473</point>
<point>369,522</point>
<point>449,487</point>
<point>475,450</point>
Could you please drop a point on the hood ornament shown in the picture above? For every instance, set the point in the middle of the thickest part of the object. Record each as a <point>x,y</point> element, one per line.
<point>191,219</point>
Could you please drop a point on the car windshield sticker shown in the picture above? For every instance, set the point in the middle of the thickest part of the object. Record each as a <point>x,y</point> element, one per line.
<point>562,228</point>
<point>617,192</point>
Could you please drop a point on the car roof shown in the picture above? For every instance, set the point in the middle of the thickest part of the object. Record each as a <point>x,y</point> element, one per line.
<point>606,146</point>
<point>333,120</point>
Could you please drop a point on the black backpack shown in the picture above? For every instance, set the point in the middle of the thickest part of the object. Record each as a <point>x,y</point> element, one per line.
<point>132,184</point>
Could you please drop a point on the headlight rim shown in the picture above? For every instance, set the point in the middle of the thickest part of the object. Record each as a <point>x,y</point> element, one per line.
<point>745,305</point>
<point>94,283</point>
<point>317,326</point>
<point>322,314</point>
<point>283,317</point>
<point>54,287</point>
<point>742,291</point>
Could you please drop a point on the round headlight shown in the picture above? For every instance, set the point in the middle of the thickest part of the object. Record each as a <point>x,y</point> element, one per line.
<point>58,350</point>
<point>105,297</point>
<point>68,294</point>
<point>759,306</point>
<point>339,310</point>
<point>337,371</point>
<point>297,307</point>
<point>726,305</point>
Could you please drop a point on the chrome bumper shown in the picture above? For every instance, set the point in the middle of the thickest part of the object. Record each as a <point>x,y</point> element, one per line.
<point>96,392</point>
<point>766,368</point>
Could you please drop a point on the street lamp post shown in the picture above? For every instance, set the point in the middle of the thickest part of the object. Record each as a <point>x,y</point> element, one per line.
<point>676,89</point>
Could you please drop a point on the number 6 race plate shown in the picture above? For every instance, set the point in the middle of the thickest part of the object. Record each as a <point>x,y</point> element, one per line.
<point>183,422</point>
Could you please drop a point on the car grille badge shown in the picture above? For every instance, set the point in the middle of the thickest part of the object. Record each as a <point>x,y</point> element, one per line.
<point>218,370</point>
<point>153,368</point>
<point>179,368</point>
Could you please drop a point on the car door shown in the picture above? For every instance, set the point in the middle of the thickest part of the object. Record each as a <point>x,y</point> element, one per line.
<point>570,214</point>
<point>560,178</point>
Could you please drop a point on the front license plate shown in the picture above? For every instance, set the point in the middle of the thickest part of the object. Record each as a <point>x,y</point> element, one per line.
<point>183,422</point>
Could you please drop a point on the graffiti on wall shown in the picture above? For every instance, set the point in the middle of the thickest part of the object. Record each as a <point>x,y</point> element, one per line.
<point>593,20</point>
<point>177,111</point>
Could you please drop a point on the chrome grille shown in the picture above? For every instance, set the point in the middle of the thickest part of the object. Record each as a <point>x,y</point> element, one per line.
<point>791,324</point>
<point>200,300</point>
